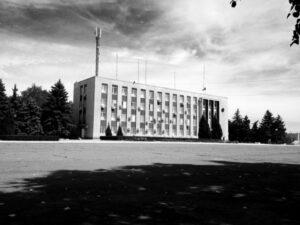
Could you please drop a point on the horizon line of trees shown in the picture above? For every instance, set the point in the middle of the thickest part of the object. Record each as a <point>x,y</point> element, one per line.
<point>36,112</point>
<point>39,112</point>
<point>269,130</point>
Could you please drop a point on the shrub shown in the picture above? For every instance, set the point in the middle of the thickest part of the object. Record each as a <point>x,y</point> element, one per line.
<point>216,132</point>
<point>204,130</point>
<point>120,132</point>
<point>108,131</point>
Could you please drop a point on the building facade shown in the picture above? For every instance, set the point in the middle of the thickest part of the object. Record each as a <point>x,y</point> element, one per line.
<point>143,110</point>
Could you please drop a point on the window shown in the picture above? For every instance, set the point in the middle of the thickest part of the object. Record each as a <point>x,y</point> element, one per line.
<point>181,131</point>
<point>194,122</point>
<point>195,131</point>
<point>181,110</point>
<point>174,98</point>
<point>133,105</point>
<point>124,91</point>
<point>151,119</point>
<point>104,88</point>
<point>167,97</point>
<point>103,115</point>
<point>103,102</point>
<point>124,104</point>
<point>167,120</point>
<point>81,89</point>
<point>123,117</point>
<point>181,121</point>
<point>181,99</point>
<point>174,109</point>
<point>159,96</point>
<point>194,101</point>
<point>143,93</point>
<point>167,110</point>
<point>174,120</point>
<point>142,119</point>
<point>188,99</point>
<point>102,128</point>
<point>174,130</point>
<point>151,107</point>
<point>84,88</point>
<point>151,94</point>
<point>114,103</point>
<point>114,89</point>
<point>133,92</point>
<point>142,106</point>
<point>113,116</point>
<point>167,130</point>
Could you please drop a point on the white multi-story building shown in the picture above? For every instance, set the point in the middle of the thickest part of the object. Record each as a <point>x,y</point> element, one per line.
<point>143,110</point>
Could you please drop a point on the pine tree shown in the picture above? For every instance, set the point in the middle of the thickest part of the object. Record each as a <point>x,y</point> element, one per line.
<point>6,120</point>
<point>267,128</point>
<point>56,115</point>
<point>254,133</point>
<point>120,132</point>
<point>36,93</point>
<point>245,131</point>
<point>216,132</point>
<point>236,127</point>
<point>30,118</point>
<point>108,131</point>
<point>15,106</point>
<point>204,130</point>
<point>279,136</point>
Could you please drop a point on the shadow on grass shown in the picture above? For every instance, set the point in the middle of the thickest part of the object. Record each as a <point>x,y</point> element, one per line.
<point>230,193</point>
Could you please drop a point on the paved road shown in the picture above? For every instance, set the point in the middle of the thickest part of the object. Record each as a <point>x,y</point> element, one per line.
<point>19,160</point>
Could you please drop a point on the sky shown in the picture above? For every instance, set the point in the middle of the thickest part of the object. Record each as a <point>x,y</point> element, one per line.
<point>245,51</point>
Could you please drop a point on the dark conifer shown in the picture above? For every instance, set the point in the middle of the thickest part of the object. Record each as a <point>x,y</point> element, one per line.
<point>254,133</point>
<point>15,107</point>
<point>216,132</point>
<point>36,93</point>
<point>236,127</point>
<point>245,130</point>
<point>120,132</point>
<point>56,115</point>
<point>108,131</point>
<point>280,135</point>
<point>267,128</point>
<point>30,118</point>
<point>6,120</point>
<point>204,130</point>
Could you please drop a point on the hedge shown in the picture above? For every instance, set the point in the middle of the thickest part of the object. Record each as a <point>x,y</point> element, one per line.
<point>28,138</point>
<point>151,138</point>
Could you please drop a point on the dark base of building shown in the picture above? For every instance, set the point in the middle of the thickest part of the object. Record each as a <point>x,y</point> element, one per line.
<point>151,138</point>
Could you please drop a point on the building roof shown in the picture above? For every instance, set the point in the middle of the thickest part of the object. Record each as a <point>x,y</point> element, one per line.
<point>155,86</point>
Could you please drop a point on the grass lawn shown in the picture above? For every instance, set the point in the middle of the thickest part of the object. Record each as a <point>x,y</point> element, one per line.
<point>229,193</point>
<point>91,183</point>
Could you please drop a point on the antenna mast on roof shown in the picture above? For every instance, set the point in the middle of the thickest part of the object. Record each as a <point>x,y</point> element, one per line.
<point>117,64</point>
<point>174,77</point>
<point>98,34</point>
<point>204,87</point>
<point>138,61</point>
<point>145,71</point>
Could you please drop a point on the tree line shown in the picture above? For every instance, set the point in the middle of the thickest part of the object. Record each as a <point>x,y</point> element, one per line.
<point>269,130</point>
<point>36,112</point>
<point>41,112</point>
